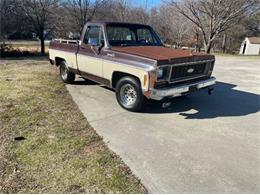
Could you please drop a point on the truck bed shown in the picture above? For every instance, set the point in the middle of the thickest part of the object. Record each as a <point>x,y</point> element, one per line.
<point>65,45</point>
<point>64,49</point>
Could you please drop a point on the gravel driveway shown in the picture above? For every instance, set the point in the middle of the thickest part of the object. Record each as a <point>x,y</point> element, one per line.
<point>201,144</point>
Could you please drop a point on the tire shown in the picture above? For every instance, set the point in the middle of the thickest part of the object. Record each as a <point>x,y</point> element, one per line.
<point>65,75</point>
<point>129,94</point>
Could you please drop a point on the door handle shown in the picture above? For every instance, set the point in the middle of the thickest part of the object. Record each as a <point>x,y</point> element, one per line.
<point>111,55</point>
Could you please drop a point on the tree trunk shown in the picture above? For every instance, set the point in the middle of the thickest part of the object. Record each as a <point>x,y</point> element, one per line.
<point>197,41</point>
<point>207,47</point>
<point>2,46</point>
<point>2,52</point>
<point>42,45</point>
<point>2,33</point>
<point>224,43</point>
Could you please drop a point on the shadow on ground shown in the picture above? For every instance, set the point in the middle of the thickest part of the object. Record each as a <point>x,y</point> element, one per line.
<point>83,81</point>
<point>225,101</point>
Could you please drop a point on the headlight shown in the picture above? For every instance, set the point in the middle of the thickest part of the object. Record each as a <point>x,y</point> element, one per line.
<point>161,73</point>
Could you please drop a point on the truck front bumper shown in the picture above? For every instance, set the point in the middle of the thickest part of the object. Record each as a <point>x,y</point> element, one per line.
<point>159,94</point>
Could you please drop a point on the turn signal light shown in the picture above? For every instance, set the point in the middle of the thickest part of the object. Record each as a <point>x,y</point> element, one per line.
<point>145,79</point>
<point>152,79</point>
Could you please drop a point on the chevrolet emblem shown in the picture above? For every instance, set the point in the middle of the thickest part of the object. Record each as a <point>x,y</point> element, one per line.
<point>190,70</point>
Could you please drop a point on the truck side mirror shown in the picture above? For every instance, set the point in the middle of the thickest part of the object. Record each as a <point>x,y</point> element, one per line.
<point>93,42</point>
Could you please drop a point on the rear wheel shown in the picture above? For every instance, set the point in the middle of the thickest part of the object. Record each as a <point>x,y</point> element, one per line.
<point>65,74</point>
<point>129,94</point>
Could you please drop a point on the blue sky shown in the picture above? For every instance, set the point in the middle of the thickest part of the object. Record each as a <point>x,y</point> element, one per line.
<point>150,3</point>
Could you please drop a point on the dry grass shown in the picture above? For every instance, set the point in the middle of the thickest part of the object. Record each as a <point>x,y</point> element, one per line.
<point>29,46</point>
<point>23,49</point>
<point>60,152</point>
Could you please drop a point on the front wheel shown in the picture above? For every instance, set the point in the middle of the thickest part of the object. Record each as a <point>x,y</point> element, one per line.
<point>129,94</point>
<point>65,74</point>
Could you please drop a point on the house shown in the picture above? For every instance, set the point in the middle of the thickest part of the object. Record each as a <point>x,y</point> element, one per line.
<point>250,46</point>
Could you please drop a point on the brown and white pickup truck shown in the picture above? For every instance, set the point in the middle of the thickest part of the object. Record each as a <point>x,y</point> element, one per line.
<point>131,59</point>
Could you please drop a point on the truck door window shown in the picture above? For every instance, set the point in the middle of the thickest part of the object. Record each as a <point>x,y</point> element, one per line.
<point>94,32</point>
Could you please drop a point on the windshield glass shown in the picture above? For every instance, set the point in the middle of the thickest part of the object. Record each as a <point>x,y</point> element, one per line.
<point>132,35</point>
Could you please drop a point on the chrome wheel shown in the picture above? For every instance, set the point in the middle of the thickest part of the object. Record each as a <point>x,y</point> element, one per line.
<point>128,95</point>
<point>64,72</point>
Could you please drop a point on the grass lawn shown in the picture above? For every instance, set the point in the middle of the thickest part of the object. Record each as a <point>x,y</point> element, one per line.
<point>56,151</point>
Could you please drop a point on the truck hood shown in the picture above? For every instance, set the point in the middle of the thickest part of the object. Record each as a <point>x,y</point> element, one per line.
<point>164,55</point>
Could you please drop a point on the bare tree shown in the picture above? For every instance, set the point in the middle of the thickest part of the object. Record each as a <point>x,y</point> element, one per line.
<point>252,24</point>
<point>83,11</point>
<point>39,13</point>
<point>125,11</point>
<point>7,11</point>
<point>3,6</point>
<point>178,26</point>
<point>3,12</point>
<point>154,18</point>
<point>119,10</point>
<point>138,15</point>
<point>213,17</point>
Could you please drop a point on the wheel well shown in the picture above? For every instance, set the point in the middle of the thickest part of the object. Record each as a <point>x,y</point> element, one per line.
<point>118,75</point>
<point>58,61</point>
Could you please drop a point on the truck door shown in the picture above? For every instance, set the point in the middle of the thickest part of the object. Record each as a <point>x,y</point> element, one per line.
<point>89,60</point>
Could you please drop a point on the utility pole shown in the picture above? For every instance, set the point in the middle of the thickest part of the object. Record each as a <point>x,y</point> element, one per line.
<point>145,4</point>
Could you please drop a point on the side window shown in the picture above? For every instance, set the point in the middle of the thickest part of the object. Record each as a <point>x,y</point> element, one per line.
<point>94,33</point>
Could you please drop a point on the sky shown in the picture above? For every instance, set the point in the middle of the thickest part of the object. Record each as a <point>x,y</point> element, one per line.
<point>150,3</point>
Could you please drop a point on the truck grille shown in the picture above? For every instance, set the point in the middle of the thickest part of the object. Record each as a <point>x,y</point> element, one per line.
<point>180,73</point>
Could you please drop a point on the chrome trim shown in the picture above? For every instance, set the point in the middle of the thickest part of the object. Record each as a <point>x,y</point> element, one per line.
<point>188,78</point>
<point>158,94</point>
<point>168,79</point>
<point>144,67</point>
<point>94,24</point>
<point>111,55</point>
<point>187,63</point>
<point>170,75</point>
<point>66,41</point>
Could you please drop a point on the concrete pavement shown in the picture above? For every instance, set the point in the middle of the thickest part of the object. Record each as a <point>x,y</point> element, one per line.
<point>201,144</point>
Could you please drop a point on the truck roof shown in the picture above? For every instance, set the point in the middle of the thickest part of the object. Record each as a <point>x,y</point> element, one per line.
<point>115,23</point>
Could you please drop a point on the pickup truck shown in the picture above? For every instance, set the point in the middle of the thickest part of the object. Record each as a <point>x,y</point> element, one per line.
<point>131,59</point>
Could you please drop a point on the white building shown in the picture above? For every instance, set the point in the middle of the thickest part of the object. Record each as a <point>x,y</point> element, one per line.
<point>250,46</point>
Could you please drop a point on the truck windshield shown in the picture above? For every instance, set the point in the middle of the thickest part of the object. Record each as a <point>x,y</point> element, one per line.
<point>132,35</point>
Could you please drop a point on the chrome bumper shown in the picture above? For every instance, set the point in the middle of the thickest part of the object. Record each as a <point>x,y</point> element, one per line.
<point>158,94</point>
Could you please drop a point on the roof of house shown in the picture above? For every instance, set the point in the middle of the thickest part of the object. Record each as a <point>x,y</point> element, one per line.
<point>254,40</point>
